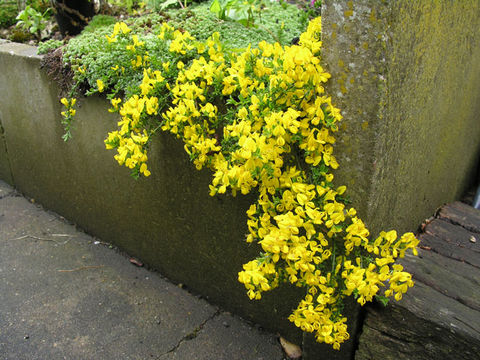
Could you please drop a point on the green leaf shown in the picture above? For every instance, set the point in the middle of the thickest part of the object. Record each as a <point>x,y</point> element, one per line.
<point>382,299</point>
<point>216,8</point>
<point>167,3</point>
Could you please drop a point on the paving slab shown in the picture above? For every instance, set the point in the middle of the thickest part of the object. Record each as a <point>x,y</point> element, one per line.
<point>67,295</point>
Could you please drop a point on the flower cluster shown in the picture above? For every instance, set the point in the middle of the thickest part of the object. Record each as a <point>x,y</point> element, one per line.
<point>260,119</point>
<point>68,115</point>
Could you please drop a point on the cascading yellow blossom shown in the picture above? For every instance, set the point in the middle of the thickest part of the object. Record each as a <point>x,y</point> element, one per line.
<point>261,121</point>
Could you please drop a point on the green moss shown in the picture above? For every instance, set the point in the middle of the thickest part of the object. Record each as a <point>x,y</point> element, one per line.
<point>99,21</point>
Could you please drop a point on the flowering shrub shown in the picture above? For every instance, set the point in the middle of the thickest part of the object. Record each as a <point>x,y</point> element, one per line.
<point>259,118</point>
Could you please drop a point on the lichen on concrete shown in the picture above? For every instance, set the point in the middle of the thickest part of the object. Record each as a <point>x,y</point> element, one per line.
<point>407,76</point>
<point>429,120</point>
<point>354,53</point>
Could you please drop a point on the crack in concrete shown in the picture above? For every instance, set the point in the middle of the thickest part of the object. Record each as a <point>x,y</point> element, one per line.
<point>190,336</point>
<point>9,194</point>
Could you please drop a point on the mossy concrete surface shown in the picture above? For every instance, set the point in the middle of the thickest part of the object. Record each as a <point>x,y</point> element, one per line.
<point>407,76</point>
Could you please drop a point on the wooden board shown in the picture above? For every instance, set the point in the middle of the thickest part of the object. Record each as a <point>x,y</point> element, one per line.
<point>439,318</point>
<point>461,214</point>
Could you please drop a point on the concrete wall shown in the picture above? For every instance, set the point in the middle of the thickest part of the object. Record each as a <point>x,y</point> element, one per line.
<point>406,74</point>
<point>167,220</point>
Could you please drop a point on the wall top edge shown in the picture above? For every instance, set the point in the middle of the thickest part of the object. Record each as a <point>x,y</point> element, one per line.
<point>18,49</point>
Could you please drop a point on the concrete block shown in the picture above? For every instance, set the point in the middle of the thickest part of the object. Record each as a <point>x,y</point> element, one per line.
<point>168,220</point>
<point>406,75</point>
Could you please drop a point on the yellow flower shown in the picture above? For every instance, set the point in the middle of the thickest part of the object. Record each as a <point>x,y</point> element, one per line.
<point>100,85</point>
<point>111,39</point>
<point>144,170</point>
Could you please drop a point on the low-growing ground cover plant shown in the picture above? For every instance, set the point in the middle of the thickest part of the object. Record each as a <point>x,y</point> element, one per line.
<point>32,21</point>
<point>259,118</point>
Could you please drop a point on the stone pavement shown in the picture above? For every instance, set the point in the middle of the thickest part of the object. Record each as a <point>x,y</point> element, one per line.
<point>66,295</point>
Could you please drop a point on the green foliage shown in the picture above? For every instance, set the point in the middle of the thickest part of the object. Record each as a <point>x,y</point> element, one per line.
<point>242,11</point>
<point>45,46</point>
<point>39,5</point>
<point>201,23</point>
<point>91,50</point>
<point>159,5</point>
<point>32,20</point>
<point>99,21</point>
<point>129,6</point>
<point>382,300</point>
<point>8,13</point>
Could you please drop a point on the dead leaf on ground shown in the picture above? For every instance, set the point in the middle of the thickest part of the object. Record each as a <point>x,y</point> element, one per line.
<point>136,262</point>
<point>293,351</point>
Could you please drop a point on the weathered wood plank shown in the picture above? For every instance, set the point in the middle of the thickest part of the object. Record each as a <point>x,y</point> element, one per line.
<point>455,235</point>
<point>452,241</point>
<point>462,214</point>
<point>450,277</point>
<point>439,318</point>
<point>444,248</point>
<point>425,325</point>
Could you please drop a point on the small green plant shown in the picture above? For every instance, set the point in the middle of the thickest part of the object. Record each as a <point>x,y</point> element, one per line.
<point>128,5</point>
<point>238,10</point>
<point>315,8</point>
<point>67,116</point>
<point>32,21</point>
<point>39,5</point>
<point>45,46</point>
<point>99,21</point>
<point>160,5</point>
